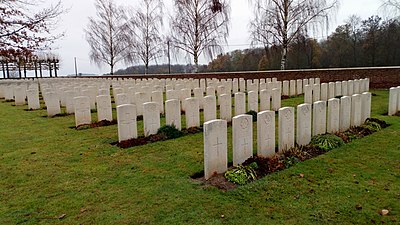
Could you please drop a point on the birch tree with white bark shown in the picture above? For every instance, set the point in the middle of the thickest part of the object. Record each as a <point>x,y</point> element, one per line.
<point>279,22</point>
<point>144,34</point>
<point>200,27</point>
<point>105,34</point>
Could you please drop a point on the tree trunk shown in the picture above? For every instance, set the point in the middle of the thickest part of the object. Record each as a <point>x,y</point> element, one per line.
<point>284,56</point>
<point>111,69</point>
<point>196,62</point>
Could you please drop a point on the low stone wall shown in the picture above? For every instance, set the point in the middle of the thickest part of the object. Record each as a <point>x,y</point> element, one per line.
<point>380,77</point>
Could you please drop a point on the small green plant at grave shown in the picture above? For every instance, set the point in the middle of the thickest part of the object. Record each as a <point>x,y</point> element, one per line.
<point>291,161</point>
<point>372,126</point>
<point>253,114</point>
<point>170,132</point>
<point>327,141</point>
<point>242,174</point>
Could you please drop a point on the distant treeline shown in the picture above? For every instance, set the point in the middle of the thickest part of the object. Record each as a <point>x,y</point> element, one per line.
<point>160,69</point>
<point>366,43</point>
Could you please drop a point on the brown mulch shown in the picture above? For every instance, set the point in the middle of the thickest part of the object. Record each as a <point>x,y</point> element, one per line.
<point>219,181</point>
<point>102,123</point>
<point>153,138</point>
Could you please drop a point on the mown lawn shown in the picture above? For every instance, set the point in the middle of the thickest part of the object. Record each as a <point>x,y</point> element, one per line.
<point>48,169</point>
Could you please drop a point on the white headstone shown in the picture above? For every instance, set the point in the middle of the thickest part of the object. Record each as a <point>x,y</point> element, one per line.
<point>122,99</point>
<point>344,88</point>
<point>350,88</point>
<point>104,108</point>
<point>215,148</point>
<point>285,87</point>
<point>308,97</point>
<point>210,91</point>
<point>303,128</point>
<point>199,94</point>
<point>266,133</point>
<point>292,88</point>
<point>393,97</point>
<point>82,110</point>
<point>141,98</point>
<point>33,99</point>
<point>20,95</point>
<point>210,108</point>
<point>240,103</point>
<point>345,112</point>
<point>242,138</point>
<point>333,115</point>
<point>286,128</point>
<point>324,92</point>
<point>52,104</point>
<point>69,102</point>
<point>357,86</point>
<point>276,99</point>
<point>265,99</point>
<point>316,92</point>
<point>192,112</point>
<point>319,118</point>
<point>365,106</point>
<point>299,87</point>
<point>173,113</point>
<point>356,110</point>
<point>225,108</point>
<point>151,118</point>
<point>338,88</point>
<point>127,124</point>
<point>331,90</point>
<point>157,96</point>
<point>252,101</point>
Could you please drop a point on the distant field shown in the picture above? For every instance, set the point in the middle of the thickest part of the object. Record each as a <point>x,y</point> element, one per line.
<point>52,174</point>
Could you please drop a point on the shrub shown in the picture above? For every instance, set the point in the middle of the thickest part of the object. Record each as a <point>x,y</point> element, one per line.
<point>382,123</point>
<point>291,161</point>
<point>170,131</point>
<point>254,114</point>
<point>327,141</point>
<point>242,174</point>
<point>372,126</point>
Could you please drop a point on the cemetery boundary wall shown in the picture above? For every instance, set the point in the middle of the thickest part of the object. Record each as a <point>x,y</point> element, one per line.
<point>380,77</point>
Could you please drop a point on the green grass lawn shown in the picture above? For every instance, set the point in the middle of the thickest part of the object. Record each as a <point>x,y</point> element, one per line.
<point>48,169</point>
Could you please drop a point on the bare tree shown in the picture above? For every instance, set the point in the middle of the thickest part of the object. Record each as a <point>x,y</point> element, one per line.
<point>23,29</point>
<point>105,34</point>
<point>353,23</point>
<point>281,21</point>
<point>144,33</point>
<point>391,7</point>
<point>199,27</point>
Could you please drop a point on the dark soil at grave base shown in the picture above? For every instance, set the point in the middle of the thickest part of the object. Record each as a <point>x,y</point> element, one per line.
<point>153,138</point>
<point>102,123</point>
<point>219,181</point>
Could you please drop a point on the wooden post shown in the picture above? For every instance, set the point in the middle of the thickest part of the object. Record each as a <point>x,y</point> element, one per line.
<point>19,70</point>
<point>8,70</point>
<point>51,74</point>
<point>40,69</point>
<point>4,69</point>
<point>55,68</point>
<point>34,63</point>
<point>24,69</point>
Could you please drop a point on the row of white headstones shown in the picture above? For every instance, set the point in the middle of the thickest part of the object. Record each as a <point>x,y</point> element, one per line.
<point>325,91</point>
<point>62,92</point>
<point>312,119</point>
<point>394,101</point>
<point>58,92</point>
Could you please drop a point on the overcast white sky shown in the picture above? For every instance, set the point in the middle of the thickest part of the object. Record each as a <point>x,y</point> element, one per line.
<point>74,43</point>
